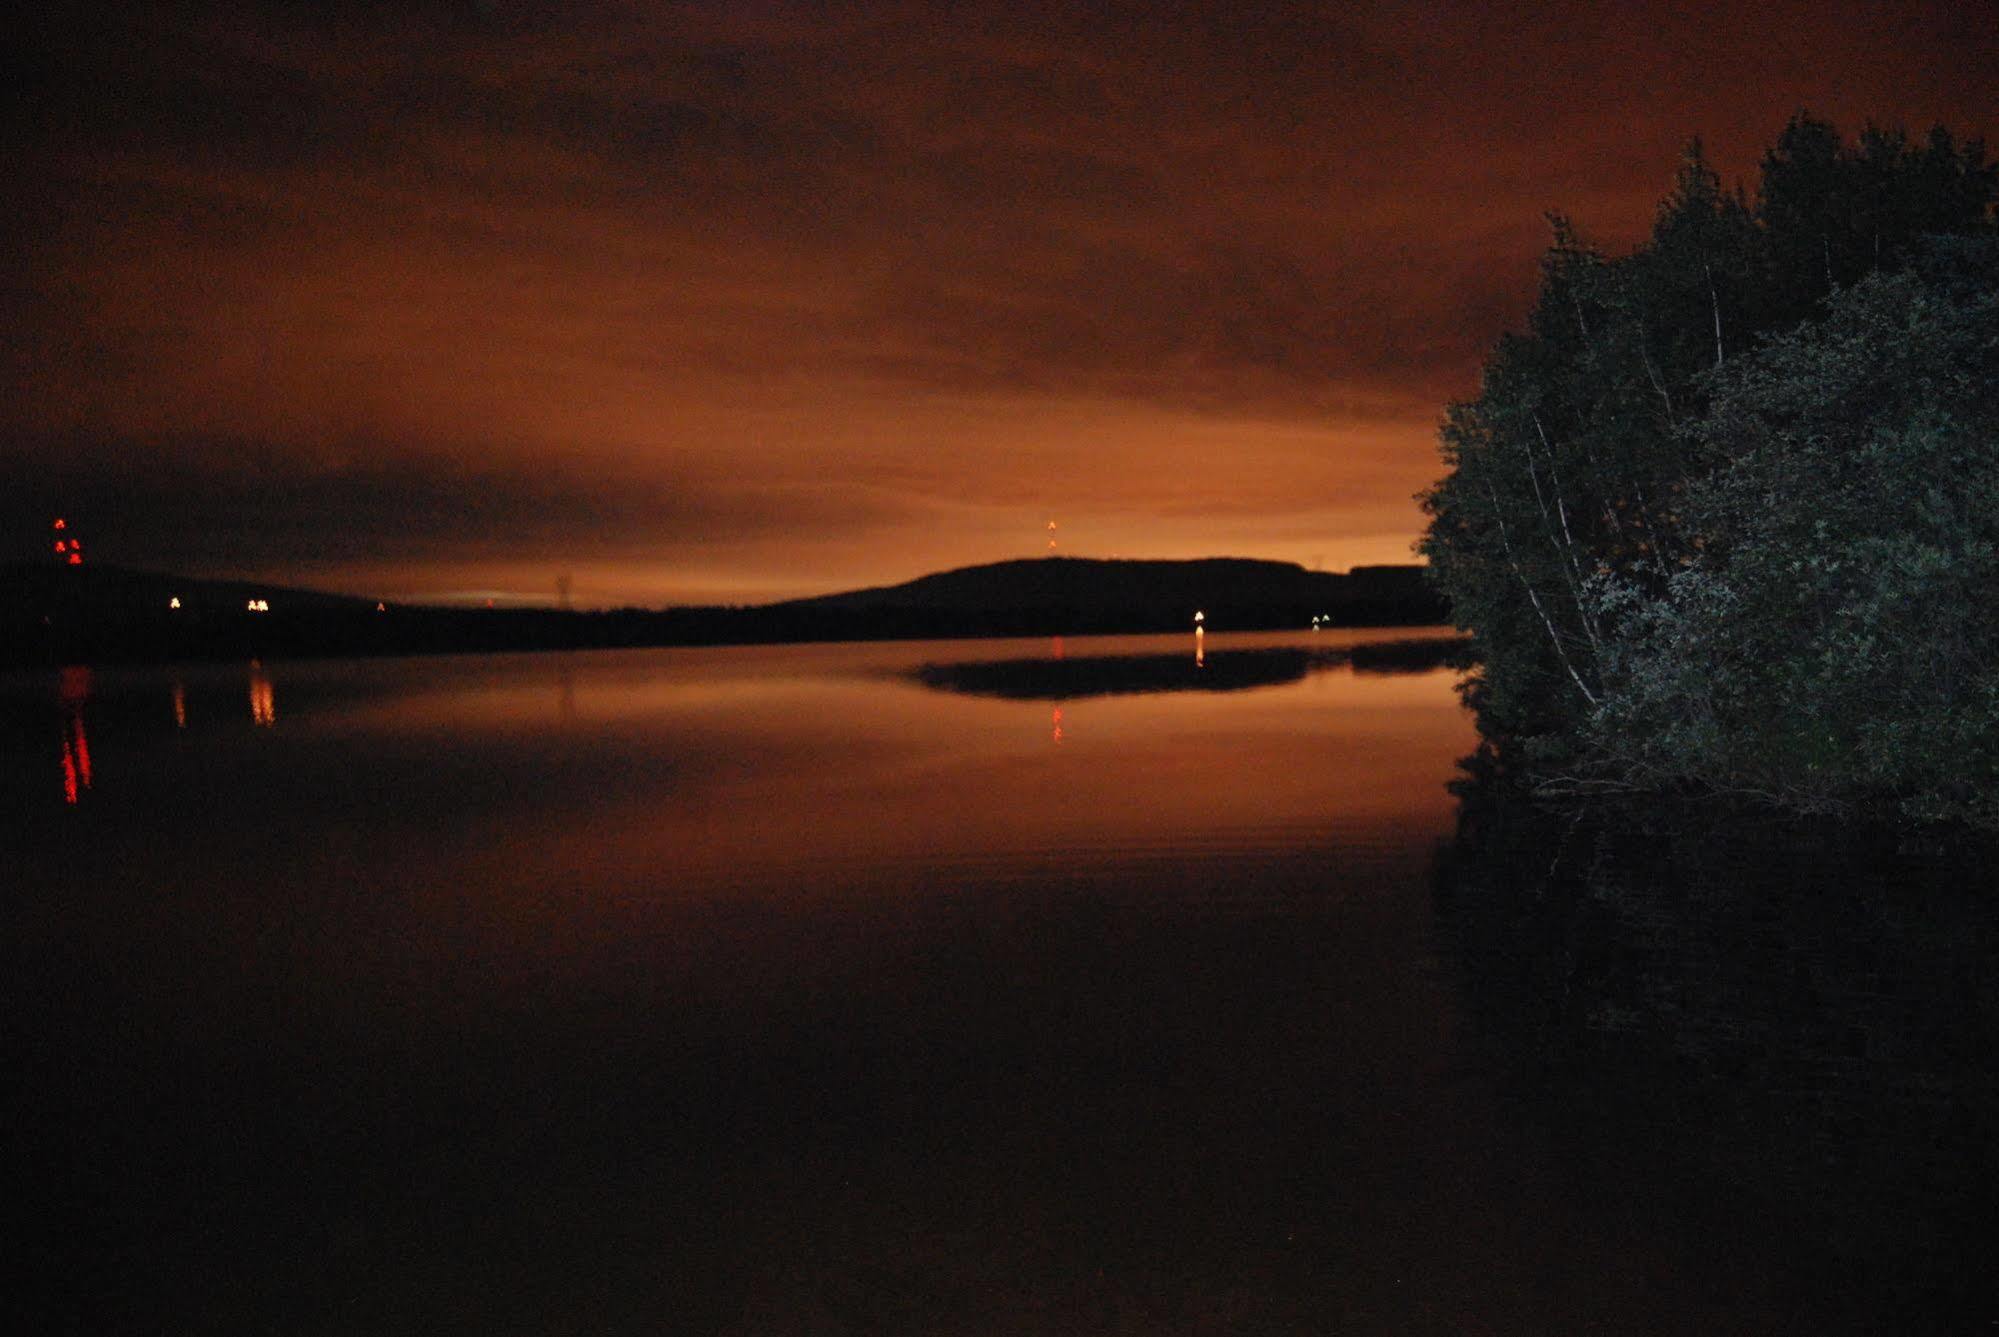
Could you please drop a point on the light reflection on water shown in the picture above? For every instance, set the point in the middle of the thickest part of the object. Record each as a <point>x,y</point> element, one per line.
<point>1001,987</point>
<point>826,757</point>
<point>72,691</point>
<point>75,686</point>
<point>263,696</point>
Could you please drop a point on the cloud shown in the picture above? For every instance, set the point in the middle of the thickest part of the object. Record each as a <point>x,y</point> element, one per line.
<point>238,505</point>
<point>776,273</point>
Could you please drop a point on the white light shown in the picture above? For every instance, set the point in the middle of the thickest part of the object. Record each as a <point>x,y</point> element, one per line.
<point>174,602</point>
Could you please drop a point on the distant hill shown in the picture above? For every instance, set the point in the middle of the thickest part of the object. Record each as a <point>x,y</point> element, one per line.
<point>1092,593</point>
<point>122,593</point>
<point>98,614</point>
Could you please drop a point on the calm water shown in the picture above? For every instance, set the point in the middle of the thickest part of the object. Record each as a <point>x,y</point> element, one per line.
<point>1001,987</point>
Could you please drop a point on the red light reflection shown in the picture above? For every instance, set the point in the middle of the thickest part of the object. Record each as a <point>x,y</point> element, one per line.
<point>72,691</point>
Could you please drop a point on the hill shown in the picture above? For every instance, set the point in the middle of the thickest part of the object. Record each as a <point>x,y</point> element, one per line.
<point>1096,594</point>
<point>101,614</point>
<point>123,594</point>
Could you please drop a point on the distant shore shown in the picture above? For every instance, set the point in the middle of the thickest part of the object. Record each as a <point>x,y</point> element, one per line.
<point>105,615</point>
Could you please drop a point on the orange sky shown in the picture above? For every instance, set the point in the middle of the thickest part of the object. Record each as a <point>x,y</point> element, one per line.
<point>735,301</point>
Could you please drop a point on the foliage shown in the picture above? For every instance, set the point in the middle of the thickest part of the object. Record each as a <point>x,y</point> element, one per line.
<point>1837,635</point>
<point>1723,515</point>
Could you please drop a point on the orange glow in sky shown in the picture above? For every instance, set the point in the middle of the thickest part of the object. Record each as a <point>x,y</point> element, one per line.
<point>730,303</point>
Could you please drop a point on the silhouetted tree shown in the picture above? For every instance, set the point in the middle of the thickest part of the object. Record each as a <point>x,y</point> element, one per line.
<point>1584,490</point>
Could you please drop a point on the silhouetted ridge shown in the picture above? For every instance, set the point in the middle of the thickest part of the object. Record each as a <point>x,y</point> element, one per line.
<point>101,614</point>
<point>1117,594</point>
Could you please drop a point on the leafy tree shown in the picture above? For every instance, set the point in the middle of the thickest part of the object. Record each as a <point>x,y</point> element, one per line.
<point>1568,469</point>
<point>1594,493</point>
<point>1837,637</point>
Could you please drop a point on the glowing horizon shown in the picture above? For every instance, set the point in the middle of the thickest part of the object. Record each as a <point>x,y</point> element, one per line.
<point>700,305</point>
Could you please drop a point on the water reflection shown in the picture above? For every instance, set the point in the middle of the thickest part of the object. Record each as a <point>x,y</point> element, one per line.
<point>1063,678</point>
<point>1411,655</point>
<point>1783,1039</point>
<point>72,692</point>
<point>565,692</point>
<point>359,1014</point>
<point>263,698</point>
<point>180,704</point>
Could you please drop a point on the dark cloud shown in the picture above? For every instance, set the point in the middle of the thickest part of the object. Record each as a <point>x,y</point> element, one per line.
<point>703,275</point>
<point>213,506</point>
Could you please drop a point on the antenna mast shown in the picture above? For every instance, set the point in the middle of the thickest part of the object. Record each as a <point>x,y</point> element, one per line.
<point>68,548</point>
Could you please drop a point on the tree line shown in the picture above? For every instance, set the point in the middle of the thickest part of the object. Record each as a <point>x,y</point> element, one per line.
<point>1725,514</point>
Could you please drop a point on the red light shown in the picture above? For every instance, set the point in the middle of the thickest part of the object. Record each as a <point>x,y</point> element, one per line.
<point>72,691</point>
<point>76,559</point>
<point>61,523</point>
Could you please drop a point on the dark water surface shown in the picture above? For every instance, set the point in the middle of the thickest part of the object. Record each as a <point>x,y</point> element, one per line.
<point>998,987</point>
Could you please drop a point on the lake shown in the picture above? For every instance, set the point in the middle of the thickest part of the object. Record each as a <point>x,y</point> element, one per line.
<point>1120,985</point>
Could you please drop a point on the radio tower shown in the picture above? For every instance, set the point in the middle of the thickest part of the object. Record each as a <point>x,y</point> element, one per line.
<point>67,546</point>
